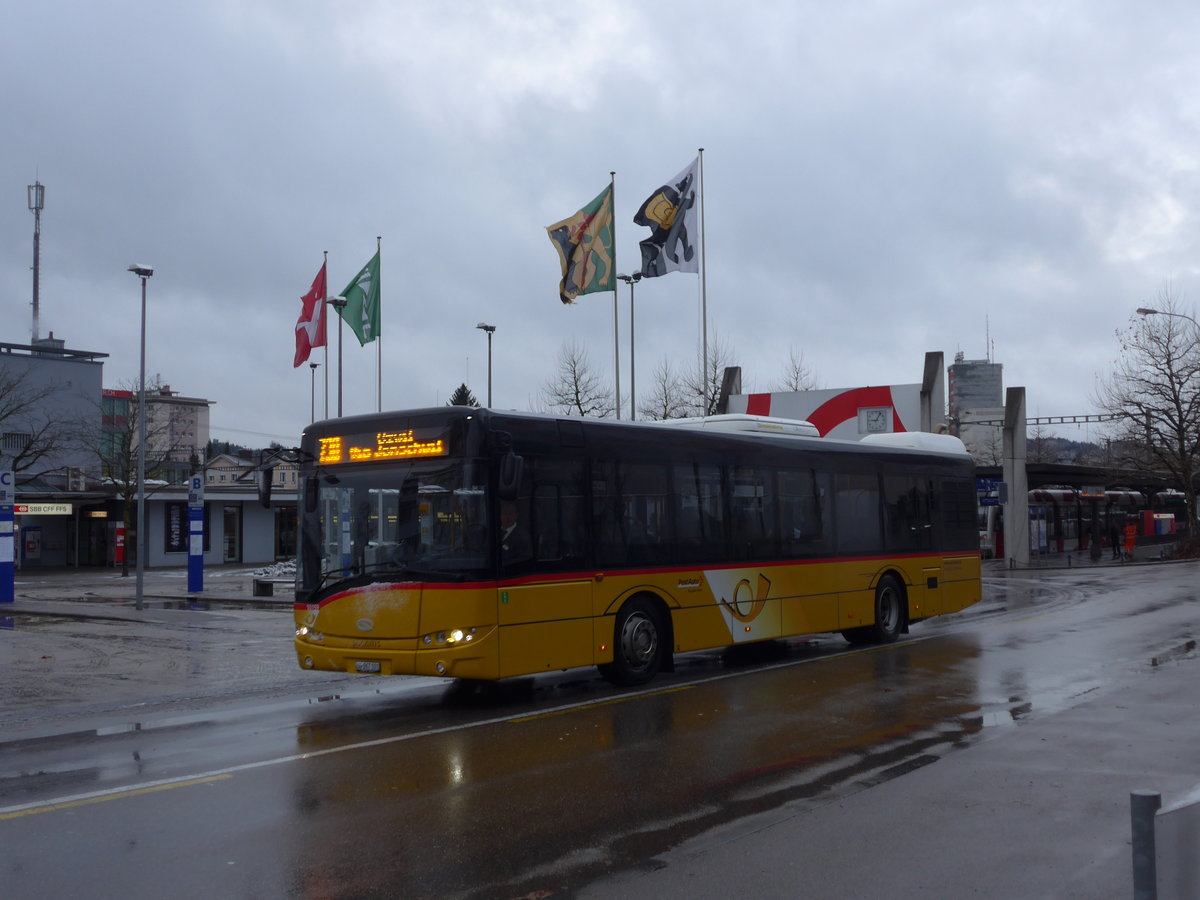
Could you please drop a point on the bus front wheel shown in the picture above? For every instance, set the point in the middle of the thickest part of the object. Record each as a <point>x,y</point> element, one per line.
<point>890,608</point>
<point>637,644</point>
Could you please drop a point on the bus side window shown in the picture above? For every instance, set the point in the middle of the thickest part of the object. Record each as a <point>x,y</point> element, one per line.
<point>804,512</point>
<point>958,515</point>
<point>752,513</point>
<point>857,512</point>
<point>630,513</point>
<point>906,512</point>
<point>699,513</point>
<point>557,510</point>
<point>546,545</point>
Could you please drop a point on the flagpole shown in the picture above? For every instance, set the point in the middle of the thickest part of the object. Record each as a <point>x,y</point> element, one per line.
<point>379,330</point>
<point>339,303</point>
<point>613,262</point>
<point>325,319</point>
<point>703,288</point>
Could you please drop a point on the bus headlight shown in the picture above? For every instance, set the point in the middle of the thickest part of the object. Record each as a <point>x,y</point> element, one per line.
<point>451,636</point>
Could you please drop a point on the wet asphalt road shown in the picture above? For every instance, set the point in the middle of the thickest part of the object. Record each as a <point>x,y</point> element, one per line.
<point>232,774</point>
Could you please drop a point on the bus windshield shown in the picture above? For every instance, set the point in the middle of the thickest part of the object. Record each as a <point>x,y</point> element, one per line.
<point>423,521</point>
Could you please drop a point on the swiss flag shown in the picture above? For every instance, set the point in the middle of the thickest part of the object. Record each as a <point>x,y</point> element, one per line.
<point>310,327</point>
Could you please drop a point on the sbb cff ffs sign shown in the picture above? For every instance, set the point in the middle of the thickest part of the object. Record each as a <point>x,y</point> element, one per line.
<point>42,509</point>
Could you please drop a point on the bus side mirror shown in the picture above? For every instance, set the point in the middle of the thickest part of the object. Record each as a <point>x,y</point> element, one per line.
<point>511,468</point>
<point>310,493</point>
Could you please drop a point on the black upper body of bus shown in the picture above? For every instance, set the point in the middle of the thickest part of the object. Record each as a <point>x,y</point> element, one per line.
<point>600,495</point>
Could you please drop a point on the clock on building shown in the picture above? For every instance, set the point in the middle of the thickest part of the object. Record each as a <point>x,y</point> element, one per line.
<point>875,420</point>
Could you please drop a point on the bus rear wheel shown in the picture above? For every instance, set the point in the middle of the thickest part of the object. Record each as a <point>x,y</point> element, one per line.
<point>890,608</point>
<point>637,644</point>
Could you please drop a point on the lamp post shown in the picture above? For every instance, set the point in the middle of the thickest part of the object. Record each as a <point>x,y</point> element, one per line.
<point>313,391</point>
<point>631,280</point>
<point>142,272</point>
<point>490,329</point>
<point>1188,487</point>
<point>1144,311</point>
<point>37,200</point>
<point>339,303</point>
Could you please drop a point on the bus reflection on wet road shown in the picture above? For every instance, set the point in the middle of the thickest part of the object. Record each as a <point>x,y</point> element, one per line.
<point>603,785</point>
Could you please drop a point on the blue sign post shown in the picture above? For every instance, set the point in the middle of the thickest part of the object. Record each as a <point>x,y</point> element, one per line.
<point>195,534</point>
<point>7,543</point>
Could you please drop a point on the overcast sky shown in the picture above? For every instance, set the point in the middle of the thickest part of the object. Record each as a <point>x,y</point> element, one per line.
<point>881,179</point>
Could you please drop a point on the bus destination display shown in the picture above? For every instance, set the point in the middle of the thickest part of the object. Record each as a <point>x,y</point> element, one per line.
<point>380,445</point>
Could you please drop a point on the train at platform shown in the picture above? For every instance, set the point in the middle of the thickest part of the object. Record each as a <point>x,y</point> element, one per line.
<point>1067,520</point>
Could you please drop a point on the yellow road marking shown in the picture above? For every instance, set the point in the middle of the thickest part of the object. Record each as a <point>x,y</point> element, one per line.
<point>55,806</point>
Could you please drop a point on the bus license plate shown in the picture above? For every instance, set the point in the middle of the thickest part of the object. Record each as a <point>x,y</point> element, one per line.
<point>368,666</point>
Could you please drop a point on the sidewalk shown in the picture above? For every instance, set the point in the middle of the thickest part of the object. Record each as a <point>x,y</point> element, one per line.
<point>75,650</point>
<point>1082,559</point>
<point>81,592</point>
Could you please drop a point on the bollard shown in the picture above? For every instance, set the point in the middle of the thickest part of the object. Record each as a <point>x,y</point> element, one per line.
<point>1142,807</point>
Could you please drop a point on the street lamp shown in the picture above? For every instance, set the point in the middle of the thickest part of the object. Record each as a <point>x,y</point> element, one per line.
<point>1189,487</point>
<point>1144,311</point>
<point>142,272</point>
<point>631,280</point>
<point>313,391</point>
<point>339,303</point>
<point>490,329</point>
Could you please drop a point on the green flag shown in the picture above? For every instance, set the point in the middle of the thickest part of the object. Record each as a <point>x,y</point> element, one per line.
<point>584,242</point>
<point>361,311</point>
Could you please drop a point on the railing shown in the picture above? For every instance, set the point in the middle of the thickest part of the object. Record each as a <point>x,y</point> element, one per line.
<point>1165,863</point>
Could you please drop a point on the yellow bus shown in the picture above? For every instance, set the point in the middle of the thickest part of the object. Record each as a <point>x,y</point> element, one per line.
<point>480,544</point>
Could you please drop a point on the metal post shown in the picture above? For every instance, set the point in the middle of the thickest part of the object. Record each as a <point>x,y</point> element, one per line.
<point>37,200</point>
<point>313,392</point>
<point>1143,805</point>
<point>339,303</point>
<point>489,330</point>
<point>143,272</point>
<point>7,535</point>
<point>616,353</point>
<point>631,280</point>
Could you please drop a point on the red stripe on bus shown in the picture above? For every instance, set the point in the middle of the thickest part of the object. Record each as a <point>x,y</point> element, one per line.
<point>621,573</point>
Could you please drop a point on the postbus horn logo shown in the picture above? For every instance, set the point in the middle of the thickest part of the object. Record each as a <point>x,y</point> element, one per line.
<point>746,604</point>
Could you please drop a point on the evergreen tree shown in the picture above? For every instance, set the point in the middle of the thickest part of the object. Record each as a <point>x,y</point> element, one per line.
<point>462,396</point>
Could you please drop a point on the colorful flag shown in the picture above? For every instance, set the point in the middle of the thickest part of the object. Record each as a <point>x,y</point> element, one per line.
<point>584,243</point>
<point>671,211</point>
<point>361,311</point>
<point>310,327</point>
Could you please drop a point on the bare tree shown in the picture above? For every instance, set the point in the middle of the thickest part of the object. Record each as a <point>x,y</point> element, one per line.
<point>703,389</point>
<point>1154,391</point>
<point>797,374</point>
<point>115,450</point>
<point>668,398</point>
<point>985,443</point>
<point>1039,447</point>
<point>30,434</point>
<point>575,389</point>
